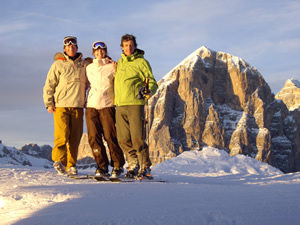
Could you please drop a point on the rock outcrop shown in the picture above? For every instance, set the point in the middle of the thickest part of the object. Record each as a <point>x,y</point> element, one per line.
<point>290,94</point>
<point>44,151</point>
<point>219,100</point>
<point>84,148</point>
<point>13,156</point>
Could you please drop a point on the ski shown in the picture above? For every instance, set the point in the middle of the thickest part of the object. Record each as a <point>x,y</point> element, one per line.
<point>138,180</point>
<point>152,180</point>
<point>88,176</point>
<point>117,179</point>
<point>77,177</point>
<point>98,178</point>
<point>120,180</point>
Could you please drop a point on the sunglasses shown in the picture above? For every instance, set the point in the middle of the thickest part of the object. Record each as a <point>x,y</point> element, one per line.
<point>99,44</point>
<point>70,41</point>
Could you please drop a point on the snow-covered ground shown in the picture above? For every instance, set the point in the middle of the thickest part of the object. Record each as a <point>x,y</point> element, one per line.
<point>204,187</point>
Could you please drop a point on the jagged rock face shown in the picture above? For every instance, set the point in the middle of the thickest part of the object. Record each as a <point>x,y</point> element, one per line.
<point>84,149</point>
<point>296,138</point>
<point>290,94</point>
<point>219,100</point>
<point>263,143</point>
<point>85,156</point>
<point>179,123</point>
<point>242,139</point>
<point>290,97</point>
<point>213,134</point>
<point>44,151</point>
<point>13,156</point>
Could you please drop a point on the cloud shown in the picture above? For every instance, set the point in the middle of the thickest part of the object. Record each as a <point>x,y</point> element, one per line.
<point>14,27</point>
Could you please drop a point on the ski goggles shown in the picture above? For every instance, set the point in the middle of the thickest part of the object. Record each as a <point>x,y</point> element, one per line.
<point>99,44</point>
<point>70,41</point>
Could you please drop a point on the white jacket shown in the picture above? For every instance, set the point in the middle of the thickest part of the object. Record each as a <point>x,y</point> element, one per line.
<point>100,75</point>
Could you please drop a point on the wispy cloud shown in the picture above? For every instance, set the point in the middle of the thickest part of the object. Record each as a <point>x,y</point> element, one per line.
<point>14,26</point>
<point>38,16</point>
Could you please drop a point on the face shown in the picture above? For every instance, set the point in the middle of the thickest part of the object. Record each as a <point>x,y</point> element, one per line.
<point>100,53</point>
<point>71,50</point>
<point>128,47</point>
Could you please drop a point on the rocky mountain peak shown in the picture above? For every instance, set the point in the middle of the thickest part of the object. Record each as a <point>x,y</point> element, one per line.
<point>219,100</point>
<point>290,94</point>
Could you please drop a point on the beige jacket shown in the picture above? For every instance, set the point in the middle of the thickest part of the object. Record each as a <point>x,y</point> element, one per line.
<point>100,75</point>
<point>66,82</point>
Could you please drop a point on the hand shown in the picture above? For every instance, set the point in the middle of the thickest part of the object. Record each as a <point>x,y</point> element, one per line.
<point>144,93</point>
<point>51,109</point>
<point>115,64</point>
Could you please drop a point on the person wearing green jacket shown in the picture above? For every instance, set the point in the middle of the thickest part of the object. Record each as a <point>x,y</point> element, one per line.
<point>130,97</point>
<point>64,97</point>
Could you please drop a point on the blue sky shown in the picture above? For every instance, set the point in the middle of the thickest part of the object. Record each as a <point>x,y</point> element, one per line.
<point>266,34</point>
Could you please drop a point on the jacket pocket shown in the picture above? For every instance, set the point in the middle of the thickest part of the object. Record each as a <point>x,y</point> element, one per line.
<point>61,94</point>
<point>66,89</point>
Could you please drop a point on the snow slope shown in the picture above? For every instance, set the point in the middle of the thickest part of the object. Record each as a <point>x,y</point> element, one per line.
<point>204,187</point>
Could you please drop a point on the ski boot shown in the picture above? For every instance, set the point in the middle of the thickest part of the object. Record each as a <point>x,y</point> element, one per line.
<point>102,172</point>
<point>131,173</point>
<point>72,171</point>
<point>59,167</point>
<point>145,173</point>
<point>116,172</point>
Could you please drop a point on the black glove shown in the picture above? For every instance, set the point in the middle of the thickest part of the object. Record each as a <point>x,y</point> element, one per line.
<point>144,93</point>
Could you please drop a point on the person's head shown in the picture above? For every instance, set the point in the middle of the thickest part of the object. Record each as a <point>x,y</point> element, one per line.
<point>99,49</point>
<point>128,44</point>
<point>70,46</point>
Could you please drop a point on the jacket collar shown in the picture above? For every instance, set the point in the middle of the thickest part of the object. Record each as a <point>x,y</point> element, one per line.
<point>101,62</point>
<point>138,53</point>
<point>77,57</point>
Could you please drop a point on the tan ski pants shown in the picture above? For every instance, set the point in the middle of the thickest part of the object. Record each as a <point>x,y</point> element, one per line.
<point>68,128</point>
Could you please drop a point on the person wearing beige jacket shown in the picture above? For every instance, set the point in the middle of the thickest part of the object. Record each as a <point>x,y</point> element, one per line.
<point>64,96</point>
<point>100,112</point>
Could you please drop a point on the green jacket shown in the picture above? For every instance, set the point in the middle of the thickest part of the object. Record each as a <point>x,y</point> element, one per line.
<point>130,77</point>
<point>66,81</point>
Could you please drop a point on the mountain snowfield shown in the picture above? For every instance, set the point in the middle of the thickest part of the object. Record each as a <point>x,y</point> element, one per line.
<point>204,187</point>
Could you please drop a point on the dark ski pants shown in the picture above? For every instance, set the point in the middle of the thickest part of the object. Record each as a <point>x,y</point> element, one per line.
<point>101,123</point>
<point>68,128</point>
<point>130,133</point>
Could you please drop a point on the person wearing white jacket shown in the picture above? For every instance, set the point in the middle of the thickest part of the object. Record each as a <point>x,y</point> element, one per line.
<point>100,112</point>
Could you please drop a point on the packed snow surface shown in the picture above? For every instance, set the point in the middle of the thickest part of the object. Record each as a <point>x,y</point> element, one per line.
<point>204,187</point>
